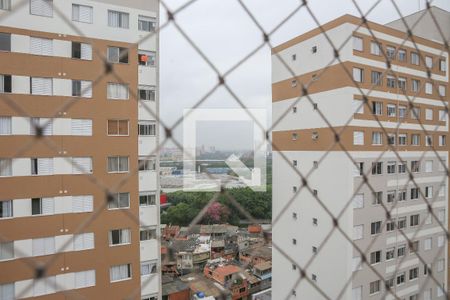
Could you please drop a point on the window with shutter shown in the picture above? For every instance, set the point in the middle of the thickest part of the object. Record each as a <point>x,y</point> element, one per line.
<point>118,19</point>
<point>45,166</point>
<point>5,125</point>
<point>117,91</point>
<point>41,8</point>
<point>81,165</point>
<point>41,46</point>
<point>5,82</point>
<point>5,4</point>
<point>5,167</point>
<point>48,206</point>
<point>41,86</point>
<point>6,250</point>
<point>82,13</point>
<point>5,41</point>
<point>81,127</point>
<point>7,291</point>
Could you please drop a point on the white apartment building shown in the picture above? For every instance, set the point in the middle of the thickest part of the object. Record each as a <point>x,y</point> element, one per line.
<point>84,75</point>
<point>304,232</point>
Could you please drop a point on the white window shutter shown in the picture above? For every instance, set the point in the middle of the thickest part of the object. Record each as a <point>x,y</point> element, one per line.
<point>85,14</point>
<point>88,205</point>
<point>89,240</point>
<point>81,165</point>
<point>77,204</point>
<point>42,86</point>
<point>358,138</point>
<point>35,46</point>
<point>39,287</point>
<point>86,51</point>
<point>357,106</point>
<point>358,201</point>
<point>49,244</point>
<point>78,243</point>
<point>86,89</point>
<point>90,278</point>
<point>45,166</point>
<point>80,280</point>
<point>47,126</point>
<point>5,125</point>
<point>38,247</point>
<point>81,127</point>
<point>48,206</point>
<point>358,232</point>
<point>429,166</point>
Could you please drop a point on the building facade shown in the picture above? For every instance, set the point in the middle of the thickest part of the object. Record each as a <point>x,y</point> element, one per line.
<point>304,231</point>
<point>79,211</point>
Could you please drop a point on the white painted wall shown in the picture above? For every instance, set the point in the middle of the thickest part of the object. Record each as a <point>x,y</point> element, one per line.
<point>147,181</point>
<point>147,145</point>
<point>148,215</point>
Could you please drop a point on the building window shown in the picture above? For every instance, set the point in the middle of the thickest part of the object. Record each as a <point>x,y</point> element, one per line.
<point>147,129</point>
<point>414,193</point>
<point>358,232</point>
<point>391,137</point>
<point>428,140</point>
<point>118,19</point>
<point>442,65</point>
<point>5,125</point>
<point>441,90</point>
<point>6,209</point>
<point>358,74</point>
<point>148,267</point>
<point>120,272</point>
<point>376,78</point>
<point>375,48</point>
<point>441,215</point>
<point>5,42</point>
<point>374,287</point>
<point>314,49</point>
<point>5,84</point>
<point>147,234</point>
<point>415,113</point>
<point>391,81</point>
<point>41,86</point>
<point>118,127</point>
<point>82,204</point>
<point>117,55</point>
<point>5,4</point>
<point>358,201</point>
<point>428,192</point>
<point>414,247</point>
<point>5,167</point>
<point>413,273</point>
<point>390,253</point>
<point>402,139</point>
<point>401,224</point>
<point>415,86</point>
<point>42,206</point>
<point>41,46</point>
<point>294,57</point>
<point>415,139</point>
<point>414,220</point>
<point>82,13</point>
<point>427,244</point>
<point>390,226</point>
<point>428,114</point>
<point>119,200</point>
<point>358,43</point>
<point>377,198</point>
<point>402,111</point>
<point>119,237</point>
<point>429,62</point>
<point>401,250</point>
<point>147,198</point>
<point>401,55</point>
<point>401,278</point>
<point>147,58</point>
<point>402,83</point>
<point>82,88</point>
<point>390,52</point>
<point>81,51</point>
<point>358,138</point>
<point>43,246</point>
<point>377,138</point>
<point>147,93</point>
<point>147,164</point>
<point>440,241</point>
<point>117,91</point>
<point>415,166</point>
<point>390,196</point>
<point>428,88</point>
<point>440,265</point>
<point>117,164</point>
<point>402,195</point>
<point>415,59</point>
<point>377,168</point>
<point>6,251</point>
<point>377,108</point>
<point>391,110</point>
<point>41,166</point>
<point>41,8</point>
<point>402,167</point>
<point>146,23</point>
<point>7,291</point>
<point>81,127</point>
<point>375,227</point>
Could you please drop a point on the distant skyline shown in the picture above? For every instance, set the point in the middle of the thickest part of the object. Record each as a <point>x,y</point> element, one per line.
<point>225,34</point>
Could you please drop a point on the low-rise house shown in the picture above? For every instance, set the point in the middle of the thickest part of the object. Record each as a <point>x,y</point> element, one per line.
<point>175,289</point>
<point>254,256</point>
<point>201,286</point>
<point>229,276</point>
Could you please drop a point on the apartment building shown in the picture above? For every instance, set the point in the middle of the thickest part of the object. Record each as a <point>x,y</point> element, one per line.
<point>336,141</point>
<point>79,211</point>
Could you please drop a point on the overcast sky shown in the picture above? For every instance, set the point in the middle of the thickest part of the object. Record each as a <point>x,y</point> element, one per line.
<point>225,34</point>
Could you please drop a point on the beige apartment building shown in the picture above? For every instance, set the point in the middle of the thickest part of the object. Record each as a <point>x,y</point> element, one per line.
<point>79,207</point>
<point>303,141</point>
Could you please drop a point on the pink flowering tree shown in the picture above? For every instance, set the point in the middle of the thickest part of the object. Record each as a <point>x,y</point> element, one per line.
<point>216,214</point>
